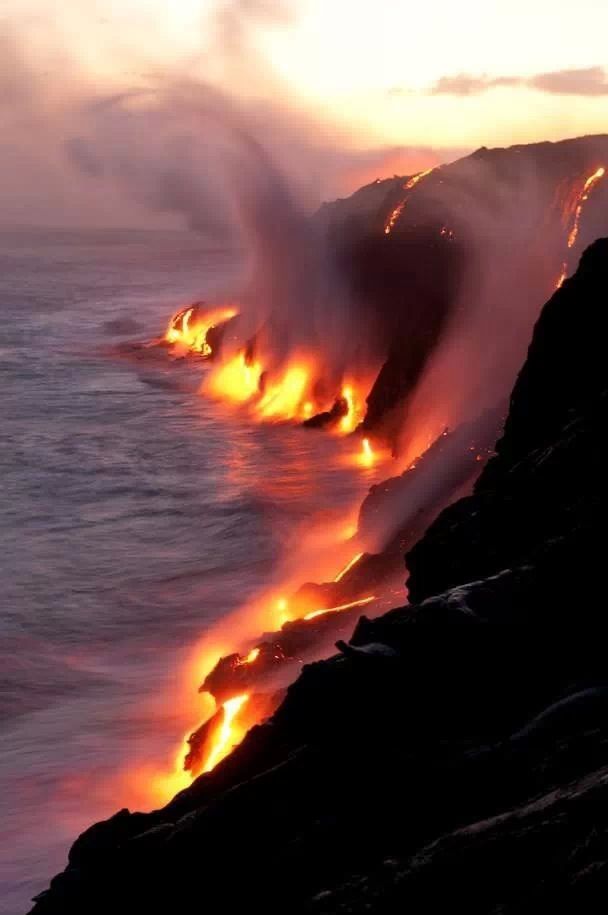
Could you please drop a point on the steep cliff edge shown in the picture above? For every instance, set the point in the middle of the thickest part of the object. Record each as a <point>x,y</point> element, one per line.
<point>431,763</point>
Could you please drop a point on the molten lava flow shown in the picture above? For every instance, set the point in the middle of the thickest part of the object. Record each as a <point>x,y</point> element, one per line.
<point>416,178</point>
<point>285,397</point>
<point>251,657</point>
<point>237,380</point>
<point>348,567</point>
<point>354,401</point>
<point>562,276</point>
<point>354,603</point>
<point>398,210</point>
<point>282,607</point>
<point>190,326</point>
<point>584,196</point>
<point>392,219</point>
<point>366,457</point>
<point>227,737</point>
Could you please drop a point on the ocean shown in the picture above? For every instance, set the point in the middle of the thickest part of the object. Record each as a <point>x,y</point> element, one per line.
<point>136,514</point>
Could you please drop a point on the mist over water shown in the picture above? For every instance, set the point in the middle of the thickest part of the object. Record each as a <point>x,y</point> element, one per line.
<point>135,514</point>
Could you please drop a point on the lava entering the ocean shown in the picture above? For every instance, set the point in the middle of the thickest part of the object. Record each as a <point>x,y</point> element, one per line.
<point>297,392</point>
<point>189,327</point>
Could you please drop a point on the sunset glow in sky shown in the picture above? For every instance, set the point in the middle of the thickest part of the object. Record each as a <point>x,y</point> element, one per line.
<point>386,75</point>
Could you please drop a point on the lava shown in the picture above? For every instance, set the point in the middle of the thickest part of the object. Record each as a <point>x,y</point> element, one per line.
<point>237,380</point>
<point>584,196</point>
<point>251,657</point>
<point>190,326</point>
<point>282,607</point>
<point>354,408</point>
<point>562,276</point>
<point>348,567</point>
<point>366,457</point>
<point>286,397</point>
<point>228,735</point>
<point>394,216</point>
<point>355,603</point>
<point>398,210</point>
<point>291,393</point>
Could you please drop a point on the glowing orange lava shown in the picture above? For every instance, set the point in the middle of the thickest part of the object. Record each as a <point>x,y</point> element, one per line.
<point>348,567</point>
<point>189,327</point>
<point>392,219</point>
<point>285,397</point>
<point>237,380</point>
<point>251,657</point>
<point>229,735</point>
<point>587,188</point>
<point>354,603</point>
<point>355,401</point>
<point>366,457</point>
<point>416,178</point>
<point>398,210</point>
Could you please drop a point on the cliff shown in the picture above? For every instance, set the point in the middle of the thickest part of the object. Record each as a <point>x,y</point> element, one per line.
<point>456,752</point>
<point>488,231</point>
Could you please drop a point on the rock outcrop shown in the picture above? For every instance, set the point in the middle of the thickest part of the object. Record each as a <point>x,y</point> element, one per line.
<point>455,754</point>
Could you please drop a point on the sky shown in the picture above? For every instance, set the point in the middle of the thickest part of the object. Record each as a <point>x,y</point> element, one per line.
<point>343,90</point>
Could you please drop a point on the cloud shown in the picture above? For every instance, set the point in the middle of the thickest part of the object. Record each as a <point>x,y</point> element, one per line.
<point>464,84</point>
<point>588,81</point>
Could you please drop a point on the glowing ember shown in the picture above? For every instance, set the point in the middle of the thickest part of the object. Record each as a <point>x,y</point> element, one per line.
<point>227,737</point>
<point>190,326</point>
<point>348,567</point>
<point>587,188</point>
<point>354,603</point>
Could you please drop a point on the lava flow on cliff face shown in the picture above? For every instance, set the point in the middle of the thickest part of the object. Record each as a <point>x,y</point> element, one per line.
<point>420,352</point>
<point>398,210</point>
<point>573,211</point>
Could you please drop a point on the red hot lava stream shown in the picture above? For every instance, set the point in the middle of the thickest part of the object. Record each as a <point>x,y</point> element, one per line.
<point>291,393</point>
<point>574,212</point>
<point>398,210</point>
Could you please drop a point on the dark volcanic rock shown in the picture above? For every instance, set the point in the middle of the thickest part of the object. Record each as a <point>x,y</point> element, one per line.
<point>446,766</point>
<point>538,504</point>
